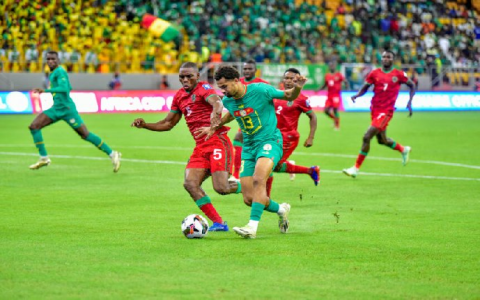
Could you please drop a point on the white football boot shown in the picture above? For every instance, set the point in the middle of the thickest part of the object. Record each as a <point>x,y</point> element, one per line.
<point>116,160</point>
<point>292,175</point>
<point>352,172</point>
<point>406,154</point>
<point>246,232</point>
<point>42,162</point>
<point>283,222</point>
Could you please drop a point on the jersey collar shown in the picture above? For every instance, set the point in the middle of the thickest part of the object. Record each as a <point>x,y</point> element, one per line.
<point>253,78</point>
<point>244,92</point>
<point>387,71</point>
<point>188,92</point>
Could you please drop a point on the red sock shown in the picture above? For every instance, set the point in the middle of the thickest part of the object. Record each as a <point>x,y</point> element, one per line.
<point>211,213</point>
<point>398,147</point>
<point>237,161</point>
<point>297,169</point>
<point>269,185</point>
<point>360,159</point>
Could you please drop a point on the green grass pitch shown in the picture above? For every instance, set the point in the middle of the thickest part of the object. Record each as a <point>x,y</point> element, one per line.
<point>76,230</point>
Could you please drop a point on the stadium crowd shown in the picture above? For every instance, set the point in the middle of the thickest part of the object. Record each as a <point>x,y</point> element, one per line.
<point>105,36</point>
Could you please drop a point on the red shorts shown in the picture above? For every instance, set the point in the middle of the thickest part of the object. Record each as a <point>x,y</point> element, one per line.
<point>290,143</point>
<point>333,101</point>
<point>216,154</point>
<point>381,119</point>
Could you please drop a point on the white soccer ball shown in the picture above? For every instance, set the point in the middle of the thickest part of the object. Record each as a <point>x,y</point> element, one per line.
<point>195,227</point>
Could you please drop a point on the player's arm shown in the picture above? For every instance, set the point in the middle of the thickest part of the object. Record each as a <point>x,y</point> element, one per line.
<point>362,91</point>
<point>215,101</point>
<point>62,85</point>
<point>411,86</point>
<point>209,131</point>
<point>164,125</point>
<point>313,127</point>
<point>292,94</point>
<point>347,84</point>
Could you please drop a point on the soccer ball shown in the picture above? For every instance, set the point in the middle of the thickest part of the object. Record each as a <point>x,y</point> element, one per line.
<point>194,227</point>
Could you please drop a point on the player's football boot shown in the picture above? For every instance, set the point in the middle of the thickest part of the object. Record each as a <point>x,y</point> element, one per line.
<point>315,174</point>
<point>232,178</point>
<point>218,227</point>
<point>292,175</point>
<point>352,172</point>
<point>245,232</point>
<point>116,160</point>
<point>42,162</point>
<point>406,154</point>
<point>283,222</point>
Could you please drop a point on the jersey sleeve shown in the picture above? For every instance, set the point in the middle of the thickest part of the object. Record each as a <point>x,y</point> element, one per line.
<point>63,86</point>
<point>304,105</point>
<point>370,78</point>
<point>175,108</point>
<point>273,93</point>
<point>403,78</point>
<point>207,91</point>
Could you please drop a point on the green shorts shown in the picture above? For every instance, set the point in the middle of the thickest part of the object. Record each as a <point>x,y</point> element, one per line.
<point>272,149</point>
<point>69,115</point>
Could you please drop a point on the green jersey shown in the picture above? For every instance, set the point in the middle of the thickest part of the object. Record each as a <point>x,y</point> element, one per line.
<point>255,112</point>
<point>60,88</point>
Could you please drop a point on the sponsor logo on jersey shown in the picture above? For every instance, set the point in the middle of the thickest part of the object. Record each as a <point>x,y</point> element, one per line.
<point>72,120</point>
<point>207,86</point>
<point>394,79</point>
<point>243,112</point>
<point>307,103</point>
<point>289,103</point>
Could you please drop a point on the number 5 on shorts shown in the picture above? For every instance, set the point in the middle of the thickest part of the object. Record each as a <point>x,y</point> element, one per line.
<point>217,154</point>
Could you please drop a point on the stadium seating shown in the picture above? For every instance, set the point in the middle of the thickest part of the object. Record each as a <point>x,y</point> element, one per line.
<point>105,36</point>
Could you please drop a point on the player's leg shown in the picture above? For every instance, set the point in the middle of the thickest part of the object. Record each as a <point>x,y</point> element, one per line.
<point>192,183</point>
<point>219,156</point>
<point>76,122</point>
<point>404,150</point>
<point>35,127</point>
<point>336,118</point>
<point>328,111</point>
<point>238,146</point>
<point>367,137</point>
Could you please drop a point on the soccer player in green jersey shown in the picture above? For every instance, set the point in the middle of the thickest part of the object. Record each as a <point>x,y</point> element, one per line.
<point>63,109</point>
<point>252,106</point>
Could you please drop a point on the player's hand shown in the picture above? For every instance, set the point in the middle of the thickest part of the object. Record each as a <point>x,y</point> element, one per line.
<point>38,91</point>
<point>206,132</point>
<point>215,120</point>
<point>409,107</point>
<point>353,98</point>
<point>308,143</point>
<point>139,123</point>
<point>300,81</point>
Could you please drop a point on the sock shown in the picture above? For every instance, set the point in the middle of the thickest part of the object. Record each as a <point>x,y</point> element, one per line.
<point>253,224</point>
<point>38,140</point>
<point>397,147</point>
<point>360,159</point>
<point>283,168</point>
<point>295,169</point>
<point>205,204</point>
<point>272,206</point>
<point>237,161</point>
<point>269,185</point>
<point>97,141</point>
<point>256,211</point>
<point>239,187</point>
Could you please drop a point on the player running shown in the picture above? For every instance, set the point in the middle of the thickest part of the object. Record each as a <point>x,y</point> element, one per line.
<point>249,70</point>
<point>387,81</point>
<point>201,106</point>
<point>252,107</point>
<point>63,109</point>
<point>333,81</point>
<point>288,114</point>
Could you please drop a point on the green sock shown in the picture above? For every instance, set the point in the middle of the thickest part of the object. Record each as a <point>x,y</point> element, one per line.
<point>38,140</point>
<point>272,206</point>
<point>283,168</point>
<point>237,143</point>
<point>393,145</point>
<point>256,211</point>
<point>202,201</point>
<point>239,187</point>
<point>97,141</point>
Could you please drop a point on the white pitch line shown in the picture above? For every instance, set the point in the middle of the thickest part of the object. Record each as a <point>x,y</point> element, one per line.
<point>183,163</point>
<point>433,162</point>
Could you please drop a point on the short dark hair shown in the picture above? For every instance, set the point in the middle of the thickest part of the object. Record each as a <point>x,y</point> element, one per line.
<point>293,70</point>
<point>391,52</point>
<point>252,62</point>
<point>226,71</point>
<point>189,64</point>
<point>53,52</point>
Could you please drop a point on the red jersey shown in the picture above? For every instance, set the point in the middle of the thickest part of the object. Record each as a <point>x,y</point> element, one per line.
<point>386,88</point>
<point>254,80</point>
<point>334,83</point>
<point>195,107</point>
<point>288,113</point>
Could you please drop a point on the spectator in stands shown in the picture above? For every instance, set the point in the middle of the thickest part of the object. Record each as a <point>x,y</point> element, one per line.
<point>115,83</point>
<point>46,80</point>
<point>476,87</point>
<point>164,85</point>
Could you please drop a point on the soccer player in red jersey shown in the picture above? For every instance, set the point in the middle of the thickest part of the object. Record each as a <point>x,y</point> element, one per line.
<point>201,106</point>
<point>333,81</point>
<point>386,82</point>
<point>249,71</point>
<point>288,113</point>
